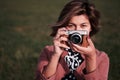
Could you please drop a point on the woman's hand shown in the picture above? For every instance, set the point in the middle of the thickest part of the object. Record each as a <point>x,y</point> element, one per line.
<point>88,51</point>
<point>60,41</point>
<point>90,55</point>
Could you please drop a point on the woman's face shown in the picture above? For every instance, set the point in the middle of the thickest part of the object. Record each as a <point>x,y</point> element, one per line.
<point>80,22</point>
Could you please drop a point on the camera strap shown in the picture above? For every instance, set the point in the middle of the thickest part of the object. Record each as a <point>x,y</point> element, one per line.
<point>73,60</point>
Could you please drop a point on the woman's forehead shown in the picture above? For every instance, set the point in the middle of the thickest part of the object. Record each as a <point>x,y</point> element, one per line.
<point>79,19</point>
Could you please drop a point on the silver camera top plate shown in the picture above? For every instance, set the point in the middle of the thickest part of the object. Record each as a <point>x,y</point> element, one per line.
<point>81,32</point>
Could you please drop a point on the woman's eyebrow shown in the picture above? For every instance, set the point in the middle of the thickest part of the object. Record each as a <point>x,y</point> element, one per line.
<point>71,23</point>
<point>85,23</point>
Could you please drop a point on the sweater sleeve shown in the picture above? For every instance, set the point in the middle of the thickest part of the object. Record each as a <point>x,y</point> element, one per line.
<point>42,63</point>
<point>101,72</point>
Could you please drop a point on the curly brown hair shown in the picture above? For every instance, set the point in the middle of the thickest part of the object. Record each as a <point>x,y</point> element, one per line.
<point>74,8</point>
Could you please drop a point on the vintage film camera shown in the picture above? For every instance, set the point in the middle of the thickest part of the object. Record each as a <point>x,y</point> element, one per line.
<point>78,37</point>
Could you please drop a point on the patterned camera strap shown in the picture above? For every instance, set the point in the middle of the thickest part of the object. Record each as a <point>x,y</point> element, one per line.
<point>73,60</point>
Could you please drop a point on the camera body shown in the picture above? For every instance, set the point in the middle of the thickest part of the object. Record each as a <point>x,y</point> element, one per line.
<point>78,37</point>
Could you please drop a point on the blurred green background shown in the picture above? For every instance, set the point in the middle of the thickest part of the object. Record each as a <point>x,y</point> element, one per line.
<point>25,29</point>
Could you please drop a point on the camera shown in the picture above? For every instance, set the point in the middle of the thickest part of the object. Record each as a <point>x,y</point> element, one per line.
<point>78,37</point>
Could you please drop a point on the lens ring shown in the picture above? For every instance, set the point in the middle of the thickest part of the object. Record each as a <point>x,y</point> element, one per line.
<point>76,38</point>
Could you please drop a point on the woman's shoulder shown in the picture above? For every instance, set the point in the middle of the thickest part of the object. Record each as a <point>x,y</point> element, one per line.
<point>102,54</point>
<point>48,49</point>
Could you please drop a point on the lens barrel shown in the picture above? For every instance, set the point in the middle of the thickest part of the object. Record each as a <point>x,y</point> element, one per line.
<point>75,38</point>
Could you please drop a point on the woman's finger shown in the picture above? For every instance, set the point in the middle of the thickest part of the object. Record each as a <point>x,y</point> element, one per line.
<point>61,32</point>
<point>75,49</point>
<point>78,47</point>
<point>64,46</point>
<point>63,38</point>
<point>90,42</point>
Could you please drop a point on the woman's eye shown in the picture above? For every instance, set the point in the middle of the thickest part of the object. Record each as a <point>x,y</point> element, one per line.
<point>70,26</point>
<point>84,26</point>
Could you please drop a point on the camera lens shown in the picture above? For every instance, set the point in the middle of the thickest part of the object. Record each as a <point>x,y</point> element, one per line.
<point>76,38</point>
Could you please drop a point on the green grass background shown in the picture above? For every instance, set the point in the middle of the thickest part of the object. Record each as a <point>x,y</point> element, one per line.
<point>25,29</point>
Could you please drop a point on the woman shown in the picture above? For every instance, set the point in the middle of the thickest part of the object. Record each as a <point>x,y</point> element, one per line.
<point>66,60</point>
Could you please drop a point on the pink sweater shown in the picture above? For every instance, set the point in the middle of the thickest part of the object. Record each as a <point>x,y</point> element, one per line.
<point>101,73</point>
